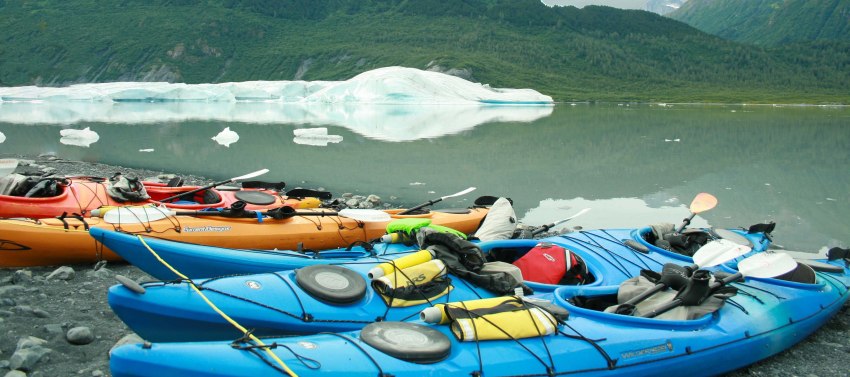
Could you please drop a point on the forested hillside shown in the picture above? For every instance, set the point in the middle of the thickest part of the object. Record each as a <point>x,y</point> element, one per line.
<point>769,22</point>
<point>594,53</point>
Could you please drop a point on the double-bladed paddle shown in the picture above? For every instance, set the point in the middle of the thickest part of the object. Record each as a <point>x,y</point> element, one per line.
<point>546,227</point>
<point>701,203</point>
<point>761,265</point>
<point>673,275</point>
<point>234,179</point>
<point>144,214</point>
<point>432,202</point>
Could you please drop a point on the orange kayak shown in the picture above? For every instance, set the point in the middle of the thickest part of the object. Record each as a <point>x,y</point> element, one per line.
<point>53,241</point>
<point>80,195</point>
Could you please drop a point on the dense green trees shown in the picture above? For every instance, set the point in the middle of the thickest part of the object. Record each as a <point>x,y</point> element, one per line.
<point>769,22</point>
<point>594,53</point>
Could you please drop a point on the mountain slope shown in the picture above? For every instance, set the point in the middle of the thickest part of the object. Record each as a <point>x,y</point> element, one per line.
<point>594,53</point>
<point>769,22</point>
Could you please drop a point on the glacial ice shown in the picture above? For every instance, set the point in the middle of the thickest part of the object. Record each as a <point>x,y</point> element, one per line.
<point>390,104</point>
<point>388,85</point>
<point>226,137</point>
<point>80,138</point>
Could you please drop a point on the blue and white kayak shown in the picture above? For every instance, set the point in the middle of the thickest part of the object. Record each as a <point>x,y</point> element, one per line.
<point>766,317</point>
<point>201,261</point>
<point>275,303</point>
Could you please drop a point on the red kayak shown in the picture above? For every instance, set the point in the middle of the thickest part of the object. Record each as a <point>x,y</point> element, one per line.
<point>80,195</point>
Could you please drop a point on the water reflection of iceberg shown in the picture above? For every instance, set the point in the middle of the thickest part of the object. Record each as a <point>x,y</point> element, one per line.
<point>317,137</point>
<point>383,122</point>
<point>608,213</point>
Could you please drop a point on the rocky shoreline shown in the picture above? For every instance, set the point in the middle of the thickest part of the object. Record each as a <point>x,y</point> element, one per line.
<point>54,321</point>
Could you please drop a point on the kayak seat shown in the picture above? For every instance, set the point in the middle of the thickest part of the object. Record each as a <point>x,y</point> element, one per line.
<point>802,274</point>
<point>174,182</point>
<point>546,263</point>
<point>209,197</point>
<point>407,341</point>
<point>685,243</point>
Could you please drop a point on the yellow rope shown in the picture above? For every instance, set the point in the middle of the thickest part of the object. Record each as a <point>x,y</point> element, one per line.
<point>221,313</point>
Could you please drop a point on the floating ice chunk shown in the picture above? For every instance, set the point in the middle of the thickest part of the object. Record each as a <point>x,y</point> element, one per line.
<point>310,131</point>
<point>676,140</point>
<point>2,138</point>
<point>226,137</point>
<point>315,136</point>
<point>80,138</point>
<point>317,140</point>
<point>146,150</point>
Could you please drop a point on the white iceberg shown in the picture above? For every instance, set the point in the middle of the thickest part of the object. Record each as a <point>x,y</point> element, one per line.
<point>226,137</point>
<point>388,85</point>
<point>80,138</point>
<point>315,137</point>
<point>2,138</point>
<point>390,104</point>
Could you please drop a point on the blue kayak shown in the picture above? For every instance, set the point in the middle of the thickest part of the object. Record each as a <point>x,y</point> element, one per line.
<point>766,317</point>
<point>274,303</point>
<point>201,261</point>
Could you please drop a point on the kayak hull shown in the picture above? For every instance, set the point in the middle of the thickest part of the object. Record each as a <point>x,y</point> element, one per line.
<point>202,261</point>
<point>273,303</point>
<point>83,194</point>
<point>30,242</point>
<point>772,317</point>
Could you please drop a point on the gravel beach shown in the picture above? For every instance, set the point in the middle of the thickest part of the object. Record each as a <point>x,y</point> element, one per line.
<point>54,321</point>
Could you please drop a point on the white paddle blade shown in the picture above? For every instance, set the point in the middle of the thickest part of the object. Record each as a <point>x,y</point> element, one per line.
<point>718,252</point>
<point>136,215</point>
<point>7,166</point>
<point>767,265</point>
<point>365,215</point>
<point>464,192</point>
<point>250,175</point>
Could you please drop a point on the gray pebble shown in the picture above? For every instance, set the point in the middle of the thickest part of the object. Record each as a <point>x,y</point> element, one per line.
<point>79,335</point>
<point>29,351</point>
<point>62,273</point>
<point>40,313</point>
<point>101,273</point>
<point>131,338</point>
<point>352,203</point>
<point>15,373</point>
<point>22,277</point>
<point>10,290</point>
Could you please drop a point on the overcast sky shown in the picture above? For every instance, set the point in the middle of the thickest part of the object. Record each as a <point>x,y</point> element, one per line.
<point>625,4</point>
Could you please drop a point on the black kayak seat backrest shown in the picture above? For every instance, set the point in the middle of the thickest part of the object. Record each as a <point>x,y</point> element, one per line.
<point>802,274</point>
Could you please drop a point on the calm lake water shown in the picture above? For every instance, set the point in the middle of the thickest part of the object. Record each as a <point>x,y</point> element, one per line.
<point>633,165</point>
